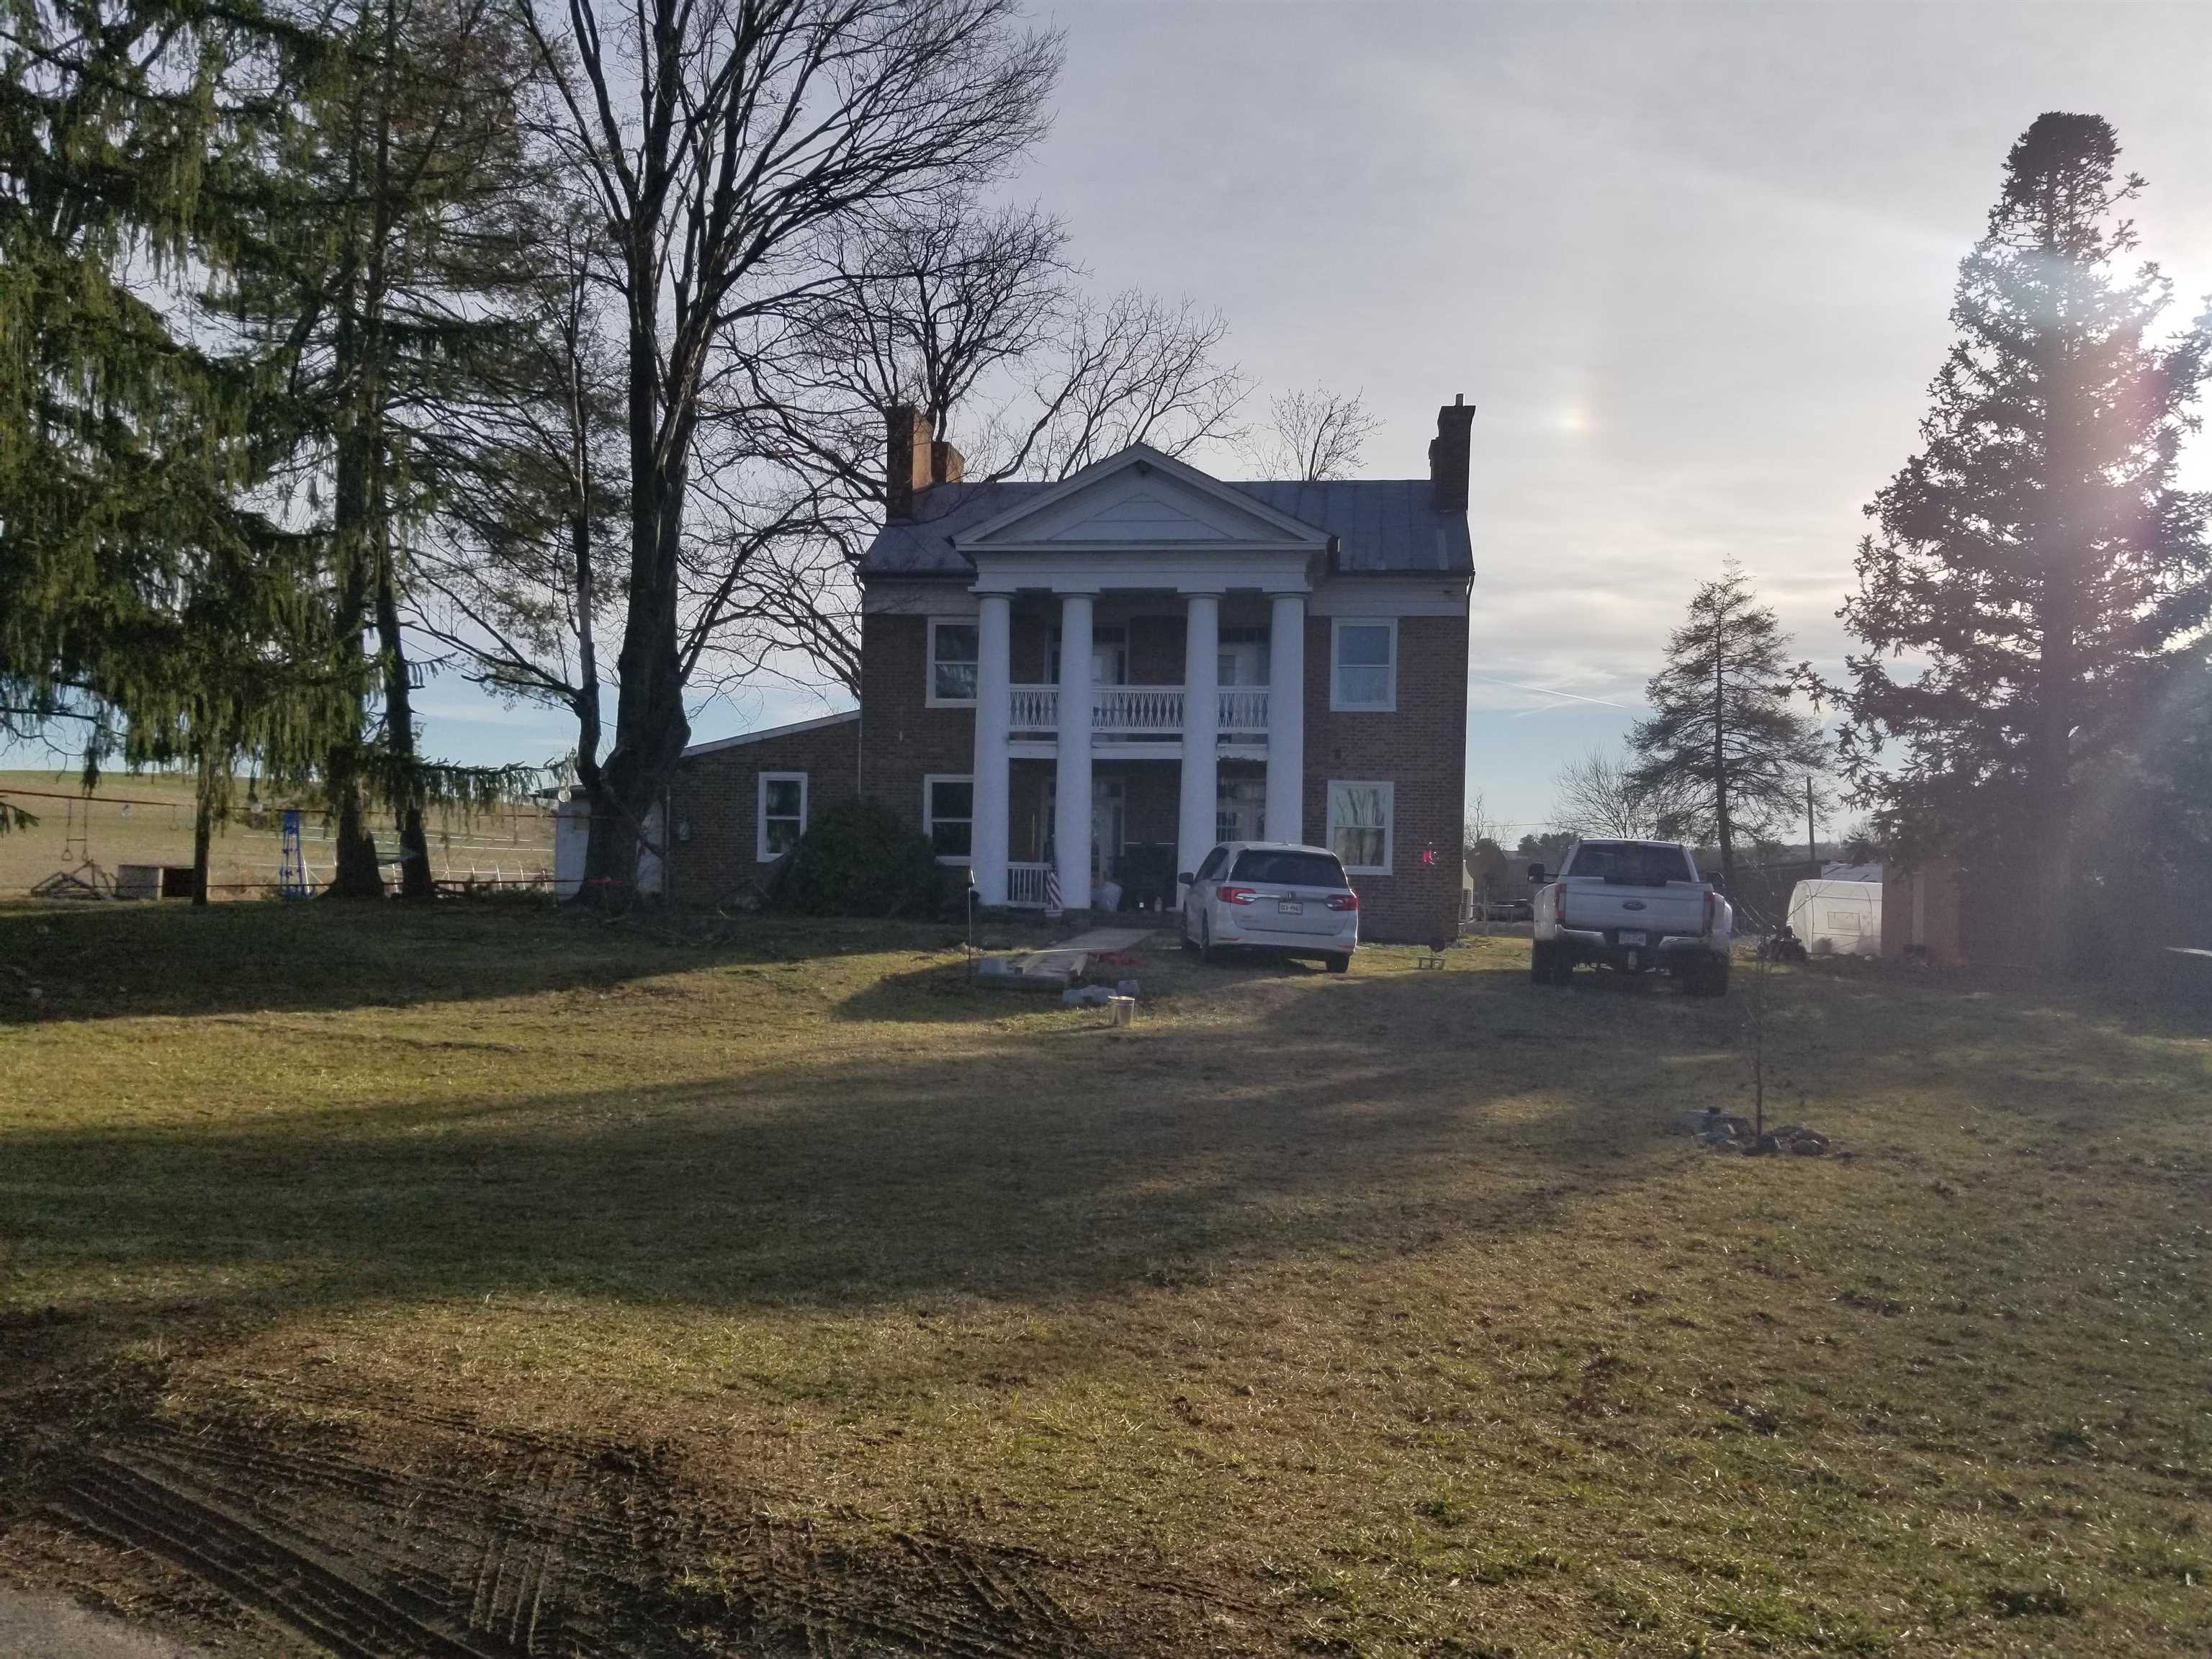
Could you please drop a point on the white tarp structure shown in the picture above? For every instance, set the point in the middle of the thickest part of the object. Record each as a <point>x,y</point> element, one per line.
<point>1838,918</point>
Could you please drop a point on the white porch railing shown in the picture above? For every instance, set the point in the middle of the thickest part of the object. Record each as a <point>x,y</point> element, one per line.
<point>1025,885</point>
<point>1243,708</point>
<point>1034,708</point>
<point>1136,711</point>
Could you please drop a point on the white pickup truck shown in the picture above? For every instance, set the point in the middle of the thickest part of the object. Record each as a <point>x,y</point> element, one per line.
<point>1636,905</point>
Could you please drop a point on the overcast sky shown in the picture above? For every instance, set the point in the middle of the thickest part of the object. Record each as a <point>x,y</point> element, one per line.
<point>1692,261</point>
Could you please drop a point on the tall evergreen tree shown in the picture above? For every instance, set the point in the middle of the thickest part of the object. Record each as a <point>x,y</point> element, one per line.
<point>2035,556</point>
<point>387,257</point>
<point>1723,742</point>
<point>143,594</point>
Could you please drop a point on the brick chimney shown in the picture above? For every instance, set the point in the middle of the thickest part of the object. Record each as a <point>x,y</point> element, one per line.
<point>909,457</point>
<point>914,458</point>
<point>1448,456</point>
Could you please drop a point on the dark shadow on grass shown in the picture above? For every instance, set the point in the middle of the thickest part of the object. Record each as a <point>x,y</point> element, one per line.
<point>109,961</point>
<point>1035,1170</point>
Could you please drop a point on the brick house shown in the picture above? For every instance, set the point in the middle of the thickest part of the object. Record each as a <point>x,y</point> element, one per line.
<point>1097,679</point>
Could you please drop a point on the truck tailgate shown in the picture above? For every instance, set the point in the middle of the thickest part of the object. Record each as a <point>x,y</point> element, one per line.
<point>1587,906</point>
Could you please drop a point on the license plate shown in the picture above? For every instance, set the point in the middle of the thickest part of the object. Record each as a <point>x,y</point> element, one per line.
<point>1634,939</point>
<point>1290,907</point>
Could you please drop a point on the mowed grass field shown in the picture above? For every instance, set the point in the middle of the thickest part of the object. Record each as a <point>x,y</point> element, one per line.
<point>147,818</point>
<point>1385,1314</point>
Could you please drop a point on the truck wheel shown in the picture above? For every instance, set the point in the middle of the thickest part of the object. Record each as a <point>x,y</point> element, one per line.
<point>1547,964</point>
<point>1708,978</point>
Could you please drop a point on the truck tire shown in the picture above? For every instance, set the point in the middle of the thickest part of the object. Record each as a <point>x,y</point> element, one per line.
<point>1547,963</point>
<point>1708,978</point>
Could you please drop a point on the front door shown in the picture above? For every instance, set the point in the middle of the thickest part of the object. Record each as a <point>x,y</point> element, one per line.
<point>1109,826</point>
<point>1240,810</point>
<point>1108,815</point>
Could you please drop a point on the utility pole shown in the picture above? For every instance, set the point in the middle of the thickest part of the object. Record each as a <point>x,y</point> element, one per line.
<point>1812,837</point>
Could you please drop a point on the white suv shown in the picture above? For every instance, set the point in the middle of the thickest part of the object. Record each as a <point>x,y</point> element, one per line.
<point>1272,895</point>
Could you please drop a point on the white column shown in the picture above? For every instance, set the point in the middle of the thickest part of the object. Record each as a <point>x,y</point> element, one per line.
<point>993,710</point>
<point>1070,819</point>
<point>1286,719</point>
<point>1201,721</point>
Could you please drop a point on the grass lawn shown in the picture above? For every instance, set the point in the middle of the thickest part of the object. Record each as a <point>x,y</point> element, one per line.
<point>823,1305</point>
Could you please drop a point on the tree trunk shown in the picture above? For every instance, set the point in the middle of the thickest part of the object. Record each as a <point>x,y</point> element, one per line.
<point>202,834</point>
<point>415,881</point>
<point>353,872</point>
<point>2049,787</point>
<point>356,347</point>
<point>1723,830</point>
<point>650,727</point>
<point>2050,749</point>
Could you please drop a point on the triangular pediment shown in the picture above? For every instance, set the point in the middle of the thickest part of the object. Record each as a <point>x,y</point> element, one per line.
<point>1141,498</point>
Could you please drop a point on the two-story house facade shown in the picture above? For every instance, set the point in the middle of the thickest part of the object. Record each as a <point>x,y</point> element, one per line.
<point>1077,689</point>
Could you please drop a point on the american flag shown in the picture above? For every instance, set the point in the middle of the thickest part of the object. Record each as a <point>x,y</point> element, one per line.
<point>1052,906</point>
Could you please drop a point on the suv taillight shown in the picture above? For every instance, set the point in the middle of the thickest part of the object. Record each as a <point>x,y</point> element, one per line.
<point>1345,902</point>
<point>1235,895</point>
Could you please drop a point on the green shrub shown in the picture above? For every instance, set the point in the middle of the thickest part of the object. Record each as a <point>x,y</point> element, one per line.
<point>858,858</point>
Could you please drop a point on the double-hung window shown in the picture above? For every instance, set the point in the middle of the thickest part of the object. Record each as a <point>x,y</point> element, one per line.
<point>781,816</point>
<point>1360,820</point>
<point>1363,669</point>
<point>948,815</point>
<point>952,659</point>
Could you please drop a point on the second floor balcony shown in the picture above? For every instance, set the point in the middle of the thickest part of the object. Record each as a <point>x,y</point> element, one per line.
<point>1139,712</point>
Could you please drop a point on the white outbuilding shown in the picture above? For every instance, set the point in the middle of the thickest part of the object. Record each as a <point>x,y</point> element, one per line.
<point>1838,918</point>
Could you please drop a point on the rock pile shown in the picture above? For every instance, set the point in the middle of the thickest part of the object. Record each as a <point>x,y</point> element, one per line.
<point>1723,1132</point>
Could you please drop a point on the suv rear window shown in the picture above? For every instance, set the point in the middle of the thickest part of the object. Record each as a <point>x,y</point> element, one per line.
<point>1290,869</point>
<point>1631,863</point>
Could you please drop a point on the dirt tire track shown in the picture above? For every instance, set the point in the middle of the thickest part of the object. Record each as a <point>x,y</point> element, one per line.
<point>379,1532</point>
<point>274,1575</point>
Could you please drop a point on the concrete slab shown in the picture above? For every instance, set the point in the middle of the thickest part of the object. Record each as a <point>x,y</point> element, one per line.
<point>1099,940</point>
<point>1032,971</point>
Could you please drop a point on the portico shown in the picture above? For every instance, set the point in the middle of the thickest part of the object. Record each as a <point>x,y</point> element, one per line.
<point>1141,535</point>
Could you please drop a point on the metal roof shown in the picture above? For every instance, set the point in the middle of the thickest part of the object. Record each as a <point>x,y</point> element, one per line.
<point>1383,526</point>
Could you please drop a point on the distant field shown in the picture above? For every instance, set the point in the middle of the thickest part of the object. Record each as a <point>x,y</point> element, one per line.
<point>494,1278</point>
<point>148,820</point>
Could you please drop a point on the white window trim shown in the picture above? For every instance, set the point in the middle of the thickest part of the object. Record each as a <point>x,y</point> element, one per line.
<point>929,697</point>
<point>929,782</point>
<point>1390,823</point>
<point>1336,627</point>
<point>761,781</point>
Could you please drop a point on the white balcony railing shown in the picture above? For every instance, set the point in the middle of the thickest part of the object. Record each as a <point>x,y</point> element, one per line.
<point>1034,708</point>
<point>1137,711</point>
<point>1243,708</point>
<point>1025,885</point>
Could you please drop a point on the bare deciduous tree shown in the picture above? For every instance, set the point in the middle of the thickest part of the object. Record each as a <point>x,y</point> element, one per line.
<point>1313,436</point>
<point>976,317</point>
<point>1599,795</point>
<point>514,581</point>
<point>721,141</point>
